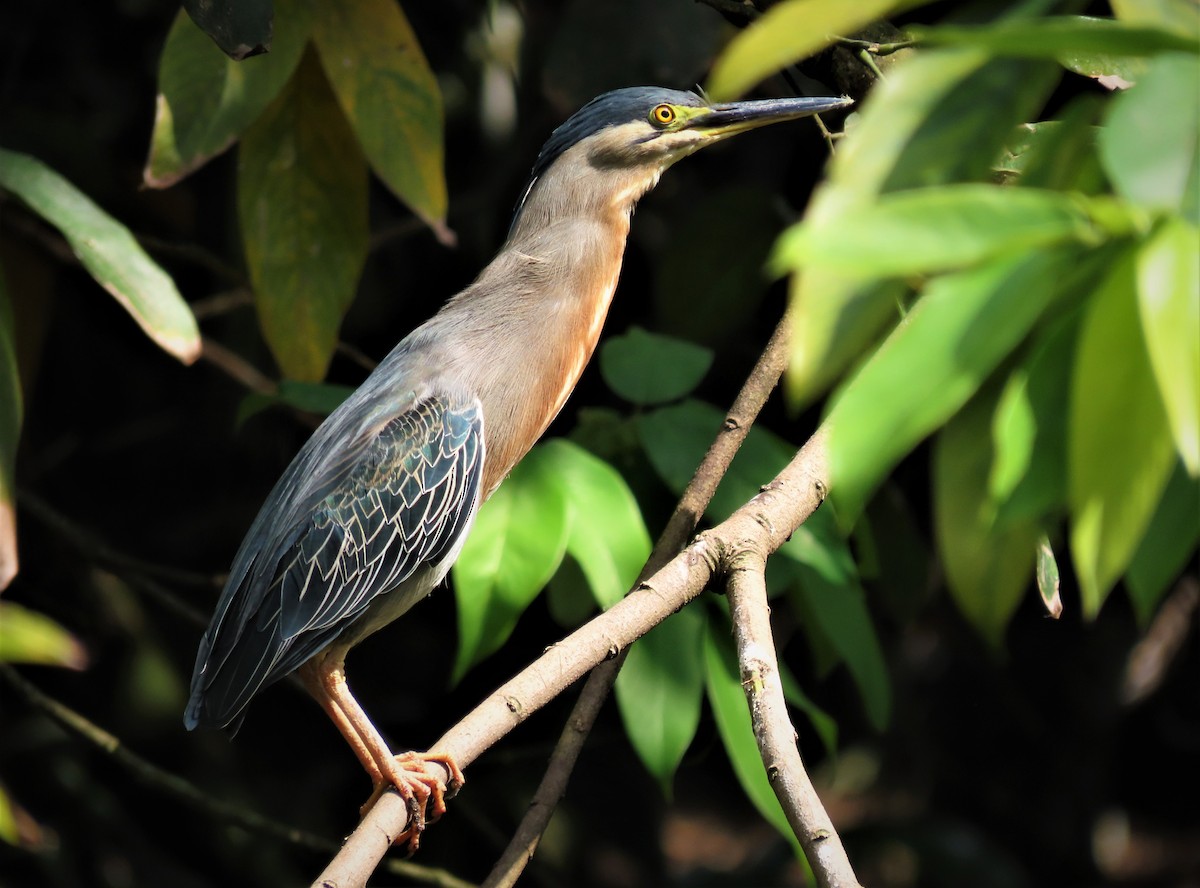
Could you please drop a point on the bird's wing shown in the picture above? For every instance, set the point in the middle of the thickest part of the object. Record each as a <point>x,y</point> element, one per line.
<point>344,525</point>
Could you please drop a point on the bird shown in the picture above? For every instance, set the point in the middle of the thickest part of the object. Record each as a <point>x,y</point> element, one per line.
<point>374,509</point>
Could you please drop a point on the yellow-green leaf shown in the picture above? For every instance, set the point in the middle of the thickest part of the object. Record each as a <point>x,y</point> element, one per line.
<point>108,251</point>
<point>388,92</point>
<point>29,637</point>
<point>788,32</point>
<point>1168,286</point>
<point>206,99</point>
<point>11,408</point>
<point>302,205</point>
<point>1119,445</point>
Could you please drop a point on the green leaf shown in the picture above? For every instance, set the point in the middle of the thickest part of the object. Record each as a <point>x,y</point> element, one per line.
<point>1180,16</point>
<point>1061,154</point>
<point>607,535</point>
<point>934,229</point>
<point>1056,37</point>
<point>788,32</point>
<point>838,609</point>
<point>205,99</point>
<point>320,398</point>
<point>987,567</point>
<point>11,410</point>
<point>1120,450</point>
<point>1047,578</point>
<point>29,637</point>
<point>940,117</point>
<point>732,715</point>
<point>659,691</point>
<point>822,723</point>
<point>388,92</point>
<point>10,833</point>
<point>302,205</point>
<point>241,29</point>
<point>966,323</point>
<point>1169,542</point>
<point>108,251</point>
<point>1168,281</point>
<point>514,548</point>
<point>647,368</point>
<point>1150,145</point>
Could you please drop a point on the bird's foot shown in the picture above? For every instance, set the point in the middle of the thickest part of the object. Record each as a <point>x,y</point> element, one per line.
<point>418,784</point>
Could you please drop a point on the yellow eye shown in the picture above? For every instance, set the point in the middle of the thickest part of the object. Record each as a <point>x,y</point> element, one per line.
<point>662,115</point>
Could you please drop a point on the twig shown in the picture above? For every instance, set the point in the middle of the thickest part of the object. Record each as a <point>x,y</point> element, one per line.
<point>681,525</point>
<point>237,367</point>
<point>773,730</point>
<point>175,786</point>
<point>767,520</point>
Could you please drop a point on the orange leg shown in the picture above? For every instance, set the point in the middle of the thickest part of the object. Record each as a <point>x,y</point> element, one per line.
<point>325,678</point>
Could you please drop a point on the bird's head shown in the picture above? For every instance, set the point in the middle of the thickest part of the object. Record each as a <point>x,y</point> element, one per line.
<point>634,134</point>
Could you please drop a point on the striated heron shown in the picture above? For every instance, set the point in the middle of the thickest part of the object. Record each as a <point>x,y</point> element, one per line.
<point>375,507</point>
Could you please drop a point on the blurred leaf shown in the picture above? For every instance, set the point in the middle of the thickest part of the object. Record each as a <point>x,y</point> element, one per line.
<point>390,96</point>
<point>320,398</point>
<point>933,229</point>
<point>302,205</point>
<point>108,251</point>
<point>1047,578</point>
<point>732,714</point>
<point>1180,16</point>
<point>11,409</point>
<point>647,368</point>
<point>514,548</point>
<point>659,691</point>
<point>1149,145</point>
<point>607,536</point>
<point>569,597</point>
<point>1119,446</point>
<point>987,567</point>
<point>822,723</point>
<point>788,32</point>
<point>954,337</point>
<point>839,609</point>
<point>205,99</point>
<point>242,28</point>
<point>1061,154</point>
<point>9,833</point>
<point>1056,37</point>
<point>1168,281</point>
<point>1169,542</point>
<point>30,637</point>
<point>940,117</point>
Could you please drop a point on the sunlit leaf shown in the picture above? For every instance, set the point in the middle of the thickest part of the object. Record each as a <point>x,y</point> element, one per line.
<point>27,636</point>
<point>965,324</point>
<point>732,714</point>
<point>788,32</point>
<point>940,117</point>
<point>1058,36</point>
<point>1120,450</point>
<point>987,567</point>
<point>1180,16</point>
<point>607,537</point>
<point>108,251</point>
<point>389,94</point>
<point>302,204</point>
<point>1150,144</point>
<point>1169,542</point>
<point>205,99</point>
<point>1168,282</point>
<point>1047,578</point>
<point>659,691</point>
<point>514,548</point>
<point>934,229</point>
<point>11,407</point>
<point>648,368</point>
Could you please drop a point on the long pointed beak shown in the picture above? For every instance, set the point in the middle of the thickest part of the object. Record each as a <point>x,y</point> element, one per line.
<point>736,117</point>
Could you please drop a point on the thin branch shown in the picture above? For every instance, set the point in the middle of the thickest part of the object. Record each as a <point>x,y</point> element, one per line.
<point>173,785</point>
<point>773,730</point>
<point>767,520</point>
<point>236,367</point>
<point>682,524</point>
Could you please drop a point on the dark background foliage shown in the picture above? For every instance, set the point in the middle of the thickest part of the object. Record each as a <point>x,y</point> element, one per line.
<point>1018,768</point>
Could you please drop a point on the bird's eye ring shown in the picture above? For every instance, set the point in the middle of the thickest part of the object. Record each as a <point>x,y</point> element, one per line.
<point>662,115</point>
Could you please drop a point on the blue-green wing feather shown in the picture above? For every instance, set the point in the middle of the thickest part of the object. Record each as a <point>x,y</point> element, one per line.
<point>361,511</point>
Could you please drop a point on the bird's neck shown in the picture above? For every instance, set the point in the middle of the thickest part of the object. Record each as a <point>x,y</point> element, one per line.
<point>530,322</point>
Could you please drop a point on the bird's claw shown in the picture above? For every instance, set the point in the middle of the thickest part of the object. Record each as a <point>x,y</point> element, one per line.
<point>418,785</point>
